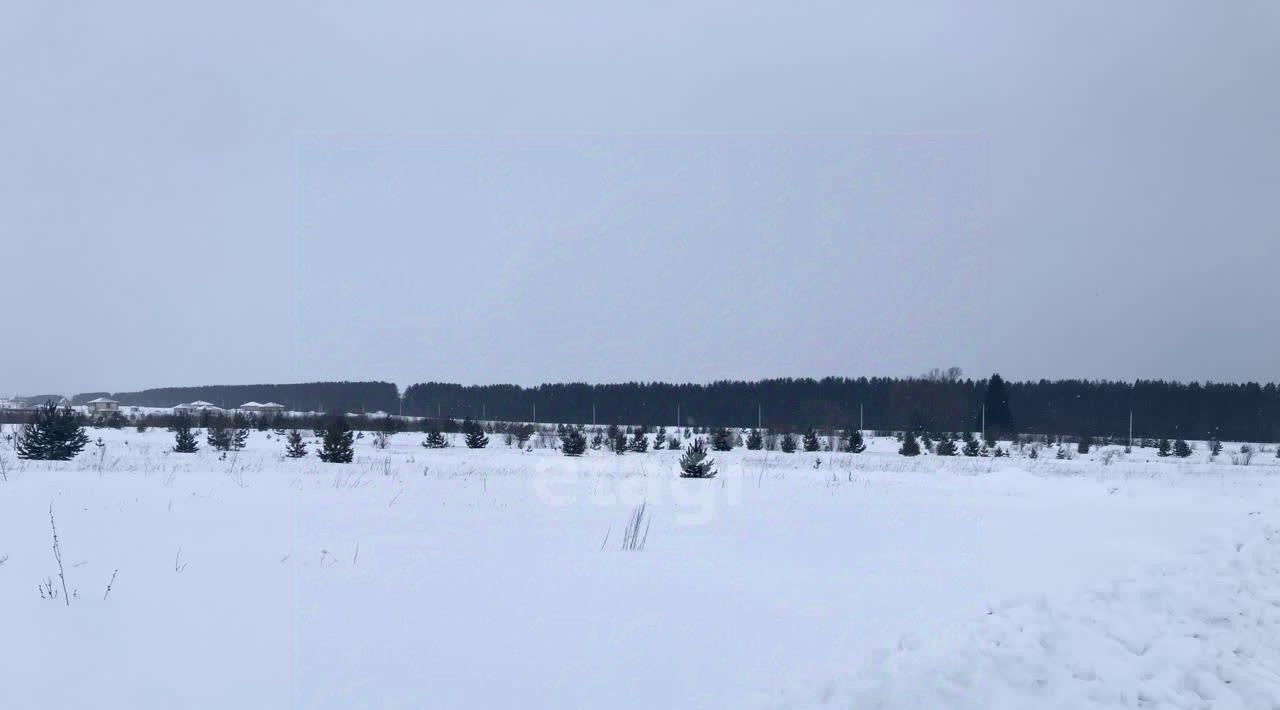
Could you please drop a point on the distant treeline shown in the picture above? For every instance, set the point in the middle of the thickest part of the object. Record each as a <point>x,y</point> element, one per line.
<point>940,402</point>
<point>1246,412</point>
<point>305,397</point>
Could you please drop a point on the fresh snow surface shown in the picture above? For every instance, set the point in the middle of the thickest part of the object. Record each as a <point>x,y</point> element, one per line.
<point>453,578</point>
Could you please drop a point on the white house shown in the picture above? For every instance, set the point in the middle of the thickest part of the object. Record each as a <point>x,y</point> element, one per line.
<point>260,408</point>
<point>272,408</point>
<point>102,405</point>
<point>197,407</point>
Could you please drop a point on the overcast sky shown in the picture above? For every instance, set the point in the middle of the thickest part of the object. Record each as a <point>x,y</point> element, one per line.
<point>526,192</point>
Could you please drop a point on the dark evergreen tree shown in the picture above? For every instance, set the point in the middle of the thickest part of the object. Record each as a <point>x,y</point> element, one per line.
<point>660,439</point>
<point>112,420</point>
<point>339,440</point>
<point>946,446</point>
<point>695,464</point>
<point>474,435</point>
<point>1085,443</point>
<point>1162,448</point>
<point>811,441</point>
<point>1181,449</point>
<point>721,439</point>
<point>910,447</point>
<point>972,447</point>
<point>597,440</point>
<point>521,434</point>
<point>240,434</point>
<point>572,442</point>
<point>295,449</point>
<point>54,434</point>
<point>1062,453</point>
<point>184,442</point>
<point>435,439</point>
<point>855,445</point>
<point>787,443</point>
<point>218,435</point>
<point>999,418</point>
<point>1215,447</point>
<point>755,440</point>
<point>640,441</point>
<point>388,425</point>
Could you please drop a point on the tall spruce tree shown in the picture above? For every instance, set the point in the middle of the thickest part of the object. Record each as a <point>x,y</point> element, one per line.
<point>787,443</point>
<point>811,441</point>
<point>910,447</point>
<point>54,434</point>
<point>996,400</point>
<point>1181,449</point>
<point>755,440</point>
<point>338,443</point>
<point>294,447</point>
<point>240,432</point>
<point>184,442</point>
<point>972,447</point>
<point>1162,448</point>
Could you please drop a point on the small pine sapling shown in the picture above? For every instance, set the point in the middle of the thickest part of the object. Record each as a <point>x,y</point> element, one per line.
<point>695,464</point>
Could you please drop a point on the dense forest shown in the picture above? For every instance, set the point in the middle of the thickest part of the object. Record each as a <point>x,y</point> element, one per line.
<point>940,401</point>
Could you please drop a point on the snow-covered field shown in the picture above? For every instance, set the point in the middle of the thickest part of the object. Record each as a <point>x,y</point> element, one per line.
<point>494,578</point>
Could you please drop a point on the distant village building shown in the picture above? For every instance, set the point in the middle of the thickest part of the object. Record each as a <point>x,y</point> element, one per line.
<point>197,407</point>
<point>102,405</point>
<point>261,408</point>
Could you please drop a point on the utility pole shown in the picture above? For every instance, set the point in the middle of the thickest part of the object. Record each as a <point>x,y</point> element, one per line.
<point>1130,428</point>
<point>677,414</point>
<point>759,416</point>
<point>984,421</point>
<point>535,412</point>
<point>860,427</point>
<point>593,414</point>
